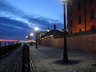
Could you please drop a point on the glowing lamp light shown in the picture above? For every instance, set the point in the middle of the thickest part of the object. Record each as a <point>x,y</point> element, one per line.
<point>64,1</point>
<point>31,34</point>
<point>36,28</point>
<point>48,30</point>
<point>26,36</point>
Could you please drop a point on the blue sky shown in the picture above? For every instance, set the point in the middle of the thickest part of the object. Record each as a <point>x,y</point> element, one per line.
<point>18,18</point>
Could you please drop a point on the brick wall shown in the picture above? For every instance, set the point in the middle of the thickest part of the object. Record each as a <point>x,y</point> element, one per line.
<point>75,28</point>
<point>80,42</point>
<point>83,42</point>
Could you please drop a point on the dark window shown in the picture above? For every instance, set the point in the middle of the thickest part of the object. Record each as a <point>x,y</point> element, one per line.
<point>92,14</point>
<point>71,32</point>
<point>92,27</point>
<point>71,23</point>
<point>91,1</point>
<point>70,12</point>
<point>79,6</point>
<point>71,2</point>
<point>80,30</point>
<point>80,19</point>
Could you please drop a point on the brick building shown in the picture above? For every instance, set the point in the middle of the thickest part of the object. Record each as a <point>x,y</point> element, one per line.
<point>81,15</point>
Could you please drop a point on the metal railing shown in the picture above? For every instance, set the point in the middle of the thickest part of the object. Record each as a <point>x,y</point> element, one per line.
<point>25,59</point>
<point>6,49</point>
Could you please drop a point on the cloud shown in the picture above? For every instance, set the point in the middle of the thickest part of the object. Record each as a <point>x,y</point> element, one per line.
<point>43,23</point>
<point>16,24</point>
<point>13,23</point>
<point>9,10</point>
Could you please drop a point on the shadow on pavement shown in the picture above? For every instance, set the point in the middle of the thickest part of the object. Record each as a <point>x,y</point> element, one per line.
<point>71,62</point>
<point>94,65</point>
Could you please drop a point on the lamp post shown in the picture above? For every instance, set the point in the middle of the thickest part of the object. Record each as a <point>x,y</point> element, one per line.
<point>65,53</point>
<point>36,29</point>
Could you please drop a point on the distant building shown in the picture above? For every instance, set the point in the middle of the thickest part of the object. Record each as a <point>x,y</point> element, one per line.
<point>48,29</point>
<point>55,33</point>
<point>41,34</point>
<point>81,15</point>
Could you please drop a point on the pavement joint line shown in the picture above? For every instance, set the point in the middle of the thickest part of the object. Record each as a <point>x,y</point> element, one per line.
<point>33,66</point>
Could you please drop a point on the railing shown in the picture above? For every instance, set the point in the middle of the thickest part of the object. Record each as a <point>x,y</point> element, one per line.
<point>7,48</point>
<point>25,59</point>
<point>13,63</point>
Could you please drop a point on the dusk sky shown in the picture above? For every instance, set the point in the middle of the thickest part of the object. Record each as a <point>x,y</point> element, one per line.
<point>18,18</point>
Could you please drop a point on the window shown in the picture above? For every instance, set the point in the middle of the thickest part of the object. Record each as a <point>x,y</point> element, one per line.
<point>70,12</point>
<point>92,27</point>
<point>71,23</point>
<point>79,6</point>
<point>80,30</point>
<point>91,1</point>
<point>80,19</point>
<point>71,2</point>
<point>92,14</point>
<point>71,32</point>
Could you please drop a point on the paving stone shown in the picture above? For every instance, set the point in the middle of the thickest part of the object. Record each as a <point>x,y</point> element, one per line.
<point>48,59</point>
<point>12,62</point>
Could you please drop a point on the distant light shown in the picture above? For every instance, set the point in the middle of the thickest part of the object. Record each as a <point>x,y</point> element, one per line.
<point>36,28</point>
<point>26,36</point>
<point>64,1</point>
<point>48,30</point>
<point>31,34</point>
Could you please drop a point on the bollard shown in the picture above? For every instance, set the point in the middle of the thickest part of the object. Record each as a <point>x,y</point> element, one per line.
<point>25,58</point>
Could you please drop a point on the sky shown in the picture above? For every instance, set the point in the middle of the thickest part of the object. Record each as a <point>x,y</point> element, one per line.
<point>18,18</point>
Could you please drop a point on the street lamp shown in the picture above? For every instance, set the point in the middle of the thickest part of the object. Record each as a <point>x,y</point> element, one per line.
<point>31,34</point>
<point>65,54</point>
<point>26,37</point>
<point>36,29</point>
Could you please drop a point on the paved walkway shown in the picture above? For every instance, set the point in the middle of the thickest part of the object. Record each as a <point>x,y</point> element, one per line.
<point>49,59</point>
<point>12,62</point>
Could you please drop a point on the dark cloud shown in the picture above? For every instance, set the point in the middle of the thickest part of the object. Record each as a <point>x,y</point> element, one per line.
<point>12,29</point>
<point>44,23</point>
<point>8,32</point>
<point>15,24</point>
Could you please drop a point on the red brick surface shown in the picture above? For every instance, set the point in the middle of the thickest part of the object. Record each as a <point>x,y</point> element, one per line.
<point>75,16</point>
<point>83,42</point>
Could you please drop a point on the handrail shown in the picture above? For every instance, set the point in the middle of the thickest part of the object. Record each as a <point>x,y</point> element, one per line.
<point>25,59</point>
<point>5,49</point>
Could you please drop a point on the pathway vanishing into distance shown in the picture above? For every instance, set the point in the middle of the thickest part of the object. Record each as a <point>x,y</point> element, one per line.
<point>49,59</point>
<point>12,62</point>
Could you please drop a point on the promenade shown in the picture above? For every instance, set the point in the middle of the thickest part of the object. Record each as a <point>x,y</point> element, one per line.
<point>12,62</point>
<point>49,59</point>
